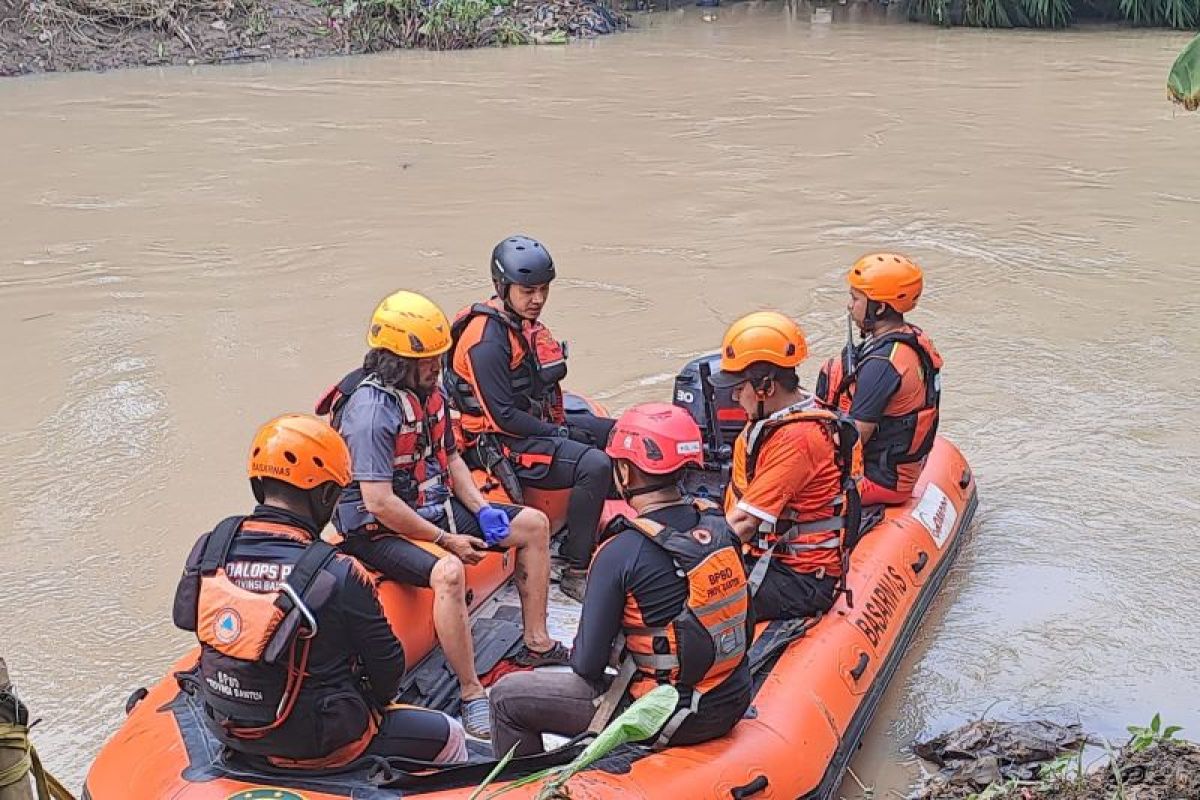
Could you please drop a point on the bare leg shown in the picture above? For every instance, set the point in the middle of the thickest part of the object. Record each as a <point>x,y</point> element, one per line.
<point>530,537</point>
<point>452,625</point>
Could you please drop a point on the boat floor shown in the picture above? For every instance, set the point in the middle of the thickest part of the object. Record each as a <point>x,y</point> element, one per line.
<point>497,633</point>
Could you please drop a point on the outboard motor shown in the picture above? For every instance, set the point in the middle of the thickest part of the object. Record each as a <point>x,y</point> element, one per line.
<point>720,420</point>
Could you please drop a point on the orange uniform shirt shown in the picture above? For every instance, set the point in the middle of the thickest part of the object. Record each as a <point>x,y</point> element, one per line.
<point>796,478</point>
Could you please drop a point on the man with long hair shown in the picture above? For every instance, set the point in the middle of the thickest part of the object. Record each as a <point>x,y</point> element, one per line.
<point>410,485</point>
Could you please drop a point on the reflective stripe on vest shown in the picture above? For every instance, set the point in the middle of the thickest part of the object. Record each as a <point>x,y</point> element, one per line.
<point>707,560</point>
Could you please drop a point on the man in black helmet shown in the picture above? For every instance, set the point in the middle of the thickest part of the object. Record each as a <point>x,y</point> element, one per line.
<point>504,373</point>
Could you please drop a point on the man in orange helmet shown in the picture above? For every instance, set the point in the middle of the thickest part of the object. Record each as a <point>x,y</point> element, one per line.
<point>289,628</point>
<point>670,582</point>
<point>411,485</point>
<point>792,491</point>
<point>890,384</point>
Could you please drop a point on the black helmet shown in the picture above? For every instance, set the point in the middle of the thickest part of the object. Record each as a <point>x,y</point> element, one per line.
<point>520,260</point>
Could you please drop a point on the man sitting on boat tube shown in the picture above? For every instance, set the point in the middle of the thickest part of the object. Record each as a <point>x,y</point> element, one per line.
<point>890,383</point>
<point>410,485</point>
<point>298,664</point>
<point>792,490</point>
<point>669,584</point>
<point>504,374</point>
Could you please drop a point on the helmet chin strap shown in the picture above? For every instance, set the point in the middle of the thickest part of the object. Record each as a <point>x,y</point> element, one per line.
<point>628,494</point>
<point>760,393</point>
<point>502,288</point>
<point>321,505</point>
<point>871,317</point>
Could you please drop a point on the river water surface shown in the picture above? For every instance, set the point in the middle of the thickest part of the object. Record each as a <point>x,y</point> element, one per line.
<point>185,253</point>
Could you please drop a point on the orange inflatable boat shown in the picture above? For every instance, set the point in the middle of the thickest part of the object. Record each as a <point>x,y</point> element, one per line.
<point>817,684</point>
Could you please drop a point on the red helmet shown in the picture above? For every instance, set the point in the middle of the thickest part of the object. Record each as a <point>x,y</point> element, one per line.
<point>658,438</point>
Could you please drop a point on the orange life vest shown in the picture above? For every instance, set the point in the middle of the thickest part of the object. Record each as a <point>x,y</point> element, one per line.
<point>904,438</point>
<point>539,365</point>
<point>793,539</point>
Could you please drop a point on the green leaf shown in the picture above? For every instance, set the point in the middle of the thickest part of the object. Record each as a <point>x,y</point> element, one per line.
<point>1171,731</point>
<point>500,765</point>
<point>1155,722</point>
<point>1183,83</point>
<point>644,718</point>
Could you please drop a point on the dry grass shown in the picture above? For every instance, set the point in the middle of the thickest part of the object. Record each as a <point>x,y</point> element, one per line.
<point>99,22</point>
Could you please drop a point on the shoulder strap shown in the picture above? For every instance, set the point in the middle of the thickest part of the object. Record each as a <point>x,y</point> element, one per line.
<point>659,534</point>
<point>649,527</point>
<point>332,401</point>
<point>216,549</point>
<point>310,563</point>
<point>405,399</point>
<point>485,310</point>
<point>912,339</point>
<point>758,433</point>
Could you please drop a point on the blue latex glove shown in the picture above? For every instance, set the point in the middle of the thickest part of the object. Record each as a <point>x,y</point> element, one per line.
<point>494,524</point>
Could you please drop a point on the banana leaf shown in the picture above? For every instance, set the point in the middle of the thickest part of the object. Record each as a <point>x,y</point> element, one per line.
<point>640,721</point>
<point>1183,84</point>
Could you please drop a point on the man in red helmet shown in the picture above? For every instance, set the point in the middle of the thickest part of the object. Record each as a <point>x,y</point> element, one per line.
<point>890,384</point>
<point>691,631</point>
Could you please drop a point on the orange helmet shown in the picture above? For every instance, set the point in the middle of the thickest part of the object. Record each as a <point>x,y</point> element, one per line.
<point>888,278</point>
<point>301,450</point>
<point>762,337</point>
<point>410,325</point>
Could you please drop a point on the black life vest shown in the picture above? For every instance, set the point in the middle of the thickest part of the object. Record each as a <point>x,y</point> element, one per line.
<point>254,646</point>
<point>708,640</point>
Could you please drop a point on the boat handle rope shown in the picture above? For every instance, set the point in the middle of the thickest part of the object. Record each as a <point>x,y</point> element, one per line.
<point>16,737</point>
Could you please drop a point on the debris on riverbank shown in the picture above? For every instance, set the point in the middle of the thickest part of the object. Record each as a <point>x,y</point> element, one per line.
<point>63,35</point>
<point>989,760</point>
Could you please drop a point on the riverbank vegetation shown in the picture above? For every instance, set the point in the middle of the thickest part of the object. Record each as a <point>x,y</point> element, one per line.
<point>46,35</point>
<point>52,35</point>
<point>989,760</point>
<point>1181,14</point>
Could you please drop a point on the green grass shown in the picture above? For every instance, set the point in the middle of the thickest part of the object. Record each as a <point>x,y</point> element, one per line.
<point>1054,14</point>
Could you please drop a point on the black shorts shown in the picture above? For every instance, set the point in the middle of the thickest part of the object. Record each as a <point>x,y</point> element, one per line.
<point>411,732</point>
<point>399,559</point>
<point>787,594</point>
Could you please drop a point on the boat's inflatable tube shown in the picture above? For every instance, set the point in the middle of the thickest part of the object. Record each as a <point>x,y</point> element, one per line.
<point>811,707</point>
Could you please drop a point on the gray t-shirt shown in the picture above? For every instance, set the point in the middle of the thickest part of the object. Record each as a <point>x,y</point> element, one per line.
<point>369,423</point>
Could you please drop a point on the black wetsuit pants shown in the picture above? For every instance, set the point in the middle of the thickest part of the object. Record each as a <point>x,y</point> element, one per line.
<point>565,463</point>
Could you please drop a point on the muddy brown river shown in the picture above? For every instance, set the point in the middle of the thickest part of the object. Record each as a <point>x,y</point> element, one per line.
<point>185,253</point>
